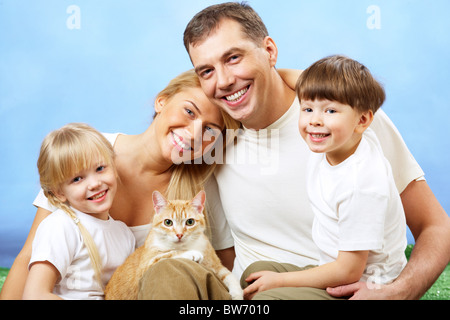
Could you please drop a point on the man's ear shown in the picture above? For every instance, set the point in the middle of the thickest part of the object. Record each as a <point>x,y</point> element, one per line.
<point>159,103</point>
<point>272,50</point>
<point>365,121</point>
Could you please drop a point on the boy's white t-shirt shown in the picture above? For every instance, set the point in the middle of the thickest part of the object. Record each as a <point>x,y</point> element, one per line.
<point>357,208</point>
<point>58,240</point>
<point>265,211</point>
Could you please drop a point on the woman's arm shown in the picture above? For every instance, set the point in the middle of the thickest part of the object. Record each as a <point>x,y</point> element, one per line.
<point>40,282</point>
<point>290,76</point>
<point>17,276</point>
<point>227,257</point>
<point>347,268</point>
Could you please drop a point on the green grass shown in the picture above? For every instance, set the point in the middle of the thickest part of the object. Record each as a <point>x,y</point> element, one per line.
<point>439,291</point>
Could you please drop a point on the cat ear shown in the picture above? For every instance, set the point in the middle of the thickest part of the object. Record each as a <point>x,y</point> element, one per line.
<point>159,201</point>
<point>199,201</point>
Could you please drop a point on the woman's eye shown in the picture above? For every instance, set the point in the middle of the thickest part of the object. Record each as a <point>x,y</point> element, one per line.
<point>189,112</point>
<point>168,223</point>
<point>190,222</point>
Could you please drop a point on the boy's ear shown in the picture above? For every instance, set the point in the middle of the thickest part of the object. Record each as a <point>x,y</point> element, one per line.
<point>365,121</point>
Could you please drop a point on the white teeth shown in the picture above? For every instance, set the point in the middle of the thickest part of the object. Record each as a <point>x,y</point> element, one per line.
<point>237,95</point>
<point>98,196</point>
<point>181,143</point>
<point>318,136</point>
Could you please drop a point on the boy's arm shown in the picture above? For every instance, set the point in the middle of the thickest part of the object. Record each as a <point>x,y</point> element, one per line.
<point>430,226</point>
<point>41,281</point>
<point>348,268</point>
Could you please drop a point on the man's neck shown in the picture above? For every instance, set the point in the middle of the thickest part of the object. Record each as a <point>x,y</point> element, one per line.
<point>278,102</point>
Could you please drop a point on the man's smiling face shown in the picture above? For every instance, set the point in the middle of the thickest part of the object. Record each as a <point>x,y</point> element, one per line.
<point>234,71</point>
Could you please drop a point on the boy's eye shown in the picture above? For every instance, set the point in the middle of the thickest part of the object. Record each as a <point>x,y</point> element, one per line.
<point>331,111</point>
<point>168,223</point>
<point>190,222</point>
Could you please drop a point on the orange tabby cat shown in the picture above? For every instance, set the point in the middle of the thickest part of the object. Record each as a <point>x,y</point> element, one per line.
<point>178,231</point>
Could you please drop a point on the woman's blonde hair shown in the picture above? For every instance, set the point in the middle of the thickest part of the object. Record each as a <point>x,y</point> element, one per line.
<point>188,179</point>
<point>64,153</point>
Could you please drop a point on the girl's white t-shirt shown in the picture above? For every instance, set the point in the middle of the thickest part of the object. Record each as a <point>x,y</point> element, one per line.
<point>58,240</point>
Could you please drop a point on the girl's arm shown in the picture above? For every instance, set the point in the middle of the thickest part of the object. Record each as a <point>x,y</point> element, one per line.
<point>348,268</point>
<point>17,276</point>
<point>290,76</point>
<point>41,281</point>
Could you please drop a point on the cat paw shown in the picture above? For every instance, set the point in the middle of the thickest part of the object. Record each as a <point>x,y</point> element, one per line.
<point>193,255</point>
<point>237,294</point>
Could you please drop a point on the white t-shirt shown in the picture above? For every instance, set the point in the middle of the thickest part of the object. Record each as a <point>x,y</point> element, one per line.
<point>265,212</point>
<point>140,232</point>
<point>357,207</point>
<point>58,240</point>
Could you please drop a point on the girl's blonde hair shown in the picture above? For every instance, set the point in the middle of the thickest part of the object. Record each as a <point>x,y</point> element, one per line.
<point>64,153</point>
<point>188,179</point>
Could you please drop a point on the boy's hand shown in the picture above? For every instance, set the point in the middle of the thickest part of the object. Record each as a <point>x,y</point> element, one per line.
<point>262,281</point>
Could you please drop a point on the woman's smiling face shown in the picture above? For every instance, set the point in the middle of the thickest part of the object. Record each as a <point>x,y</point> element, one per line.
<point>187,125</point>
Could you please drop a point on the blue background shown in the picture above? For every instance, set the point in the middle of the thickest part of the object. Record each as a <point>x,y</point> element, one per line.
<point>108,72</point>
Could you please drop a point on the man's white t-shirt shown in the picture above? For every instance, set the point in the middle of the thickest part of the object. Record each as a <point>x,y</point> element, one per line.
<point>357,207</point>
<point>265,212</point>
<point>59,241</point>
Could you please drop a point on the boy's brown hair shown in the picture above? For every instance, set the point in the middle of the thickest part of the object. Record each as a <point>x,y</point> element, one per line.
<point>341,79</point>
<point>207,20</point>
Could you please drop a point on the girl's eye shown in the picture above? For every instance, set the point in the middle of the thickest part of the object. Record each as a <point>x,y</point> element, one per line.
<point>190,222</point>
<point>168,223</point>
<point>77,179</point>
<point>100,168</point>
<point>331,111</point>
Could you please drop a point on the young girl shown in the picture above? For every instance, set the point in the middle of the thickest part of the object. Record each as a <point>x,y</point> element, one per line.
<point>359,225</point>
<point>77,248</point>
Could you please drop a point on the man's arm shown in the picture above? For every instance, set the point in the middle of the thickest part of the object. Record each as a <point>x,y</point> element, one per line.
<point>430,226</point>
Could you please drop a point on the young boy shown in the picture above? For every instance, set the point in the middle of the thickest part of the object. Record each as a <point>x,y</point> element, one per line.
<point>359,224</point>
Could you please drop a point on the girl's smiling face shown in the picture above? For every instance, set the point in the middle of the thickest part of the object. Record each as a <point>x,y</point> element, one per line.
<point>91,191</point>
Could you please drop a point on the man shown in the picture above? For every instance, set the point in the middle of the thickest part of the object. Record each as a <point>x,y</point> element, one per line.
<point>268,211</point>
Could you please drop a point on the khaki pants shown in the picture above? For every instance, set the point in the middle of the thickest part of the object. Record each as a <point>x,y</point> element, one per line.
<point>181,279</point>
<point>295,293</point>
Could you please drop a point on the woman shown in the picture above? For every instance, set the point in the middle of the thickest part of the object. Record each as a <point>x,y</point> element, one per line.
<point>185,127</point>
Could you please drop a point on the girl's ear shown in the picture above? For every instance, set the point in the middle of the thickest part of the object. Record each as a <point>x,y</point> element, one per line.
<point>159,104</point>
<point>159,202</point>
<point>199,201</point>
<point>365,120</point>
<point>58,194</point>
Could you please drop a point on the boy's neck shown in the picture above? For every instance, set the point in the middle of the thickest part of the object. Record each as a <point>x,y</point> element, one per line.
<point>337,157</point>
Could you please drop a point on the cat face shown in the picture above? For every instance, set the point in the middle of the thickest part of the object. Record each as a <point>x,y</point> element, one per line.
<point>178,222</point>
